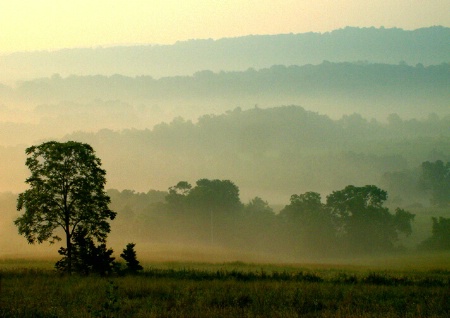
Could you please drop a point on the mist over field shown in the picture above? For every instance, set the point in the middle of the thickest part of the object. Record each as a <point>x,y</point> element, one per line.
<point>277,115</point>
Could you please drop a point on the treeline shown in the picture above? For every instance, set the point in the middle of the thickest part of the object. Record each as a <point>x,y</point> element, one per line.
<point>362,79</point>
<point>352,221</point>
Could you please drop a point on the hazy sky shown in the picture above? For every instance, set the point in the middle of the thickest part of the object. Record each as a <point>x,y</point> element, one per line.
<point>55,24</point>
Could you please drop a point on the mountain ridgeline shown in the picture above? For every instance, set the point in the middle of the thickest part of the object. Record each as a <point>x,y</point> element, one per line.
<point>383,45</point>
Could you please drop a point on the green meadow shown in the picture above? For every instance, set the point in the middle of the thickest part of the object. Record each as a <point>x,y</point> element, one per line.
<point>412,285</point>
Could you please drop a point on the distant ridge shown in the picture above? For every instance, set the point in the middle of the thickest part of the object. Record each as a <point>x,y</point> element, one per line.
<point>376,45</point>
<point>56,105</point>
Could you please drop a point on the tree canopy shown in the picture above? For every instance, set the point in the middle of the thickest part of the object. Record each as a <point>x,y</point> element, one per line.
<point>220,195</point>
<point>362,219</point>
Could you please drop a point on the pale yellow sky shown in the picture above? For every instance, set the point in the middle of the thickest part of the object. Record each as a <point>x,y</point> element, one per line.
<point>56,24</point>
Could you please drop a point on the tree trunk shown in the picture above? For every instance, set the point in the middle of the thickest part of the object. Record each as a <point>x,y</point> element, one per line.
<point>69,252</point>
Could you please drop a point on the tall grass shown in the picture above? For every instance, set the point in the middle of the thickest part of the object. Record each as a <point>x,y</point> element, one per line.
<point>226,290</point>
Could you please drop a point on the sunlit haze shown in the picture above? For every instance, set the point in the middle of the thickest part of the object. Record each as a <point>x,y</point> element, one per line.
<point>50,25</point>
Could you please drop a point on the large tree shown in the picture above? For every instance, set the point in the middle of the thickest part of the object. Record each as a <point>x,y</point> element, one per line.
<point>66,190</point>
<point>211,207</point>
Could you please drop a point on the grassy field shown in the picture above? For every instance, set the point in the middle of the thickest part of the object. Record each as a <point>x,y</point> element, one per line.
<point>408,286</point>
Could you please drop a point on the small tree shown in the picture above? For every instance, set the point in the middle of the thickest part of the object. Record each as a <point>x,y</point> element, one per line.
<point>66,191</point>
<point>129,255</point>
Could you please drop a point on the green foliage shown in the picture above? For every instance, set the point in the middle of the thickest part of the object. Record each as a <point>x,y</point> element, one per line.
<point>66,191</point>
<point>129,255</point>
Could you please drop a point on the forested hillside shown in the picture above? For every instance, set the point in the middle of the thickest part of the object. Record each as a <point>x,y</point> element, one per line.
<point>270,152</point>
<point>55,106</point>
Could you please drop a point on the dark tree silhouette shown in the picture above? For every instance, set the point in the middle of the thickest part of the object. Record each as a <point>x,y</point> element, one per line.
<point>66,191</point>
<point>129,255</point>
<point>86,256</point>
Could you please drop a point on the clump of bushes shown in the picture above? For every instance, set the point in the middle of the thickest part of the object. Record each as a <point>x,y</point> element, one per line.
<point>89,258</point>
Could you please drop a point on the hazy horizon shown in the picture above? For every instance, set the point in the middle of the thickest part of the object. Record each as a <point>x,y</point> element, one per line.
<point>49,25</point>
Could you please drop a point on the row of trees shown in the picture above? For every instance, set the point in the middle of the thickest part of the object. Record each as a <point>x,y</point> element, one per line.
<point>352,219</point>
<point>67,193</point>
